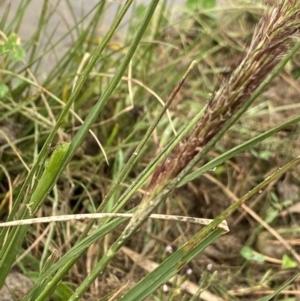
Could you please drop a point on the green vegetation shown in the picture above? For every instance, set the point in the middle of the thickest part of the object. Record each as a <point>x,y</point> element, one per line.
<point>185,113</point>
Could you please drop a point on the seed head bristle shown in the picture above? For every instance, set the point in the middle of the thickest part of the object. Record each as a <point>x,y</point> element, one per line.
<point>271,41</point>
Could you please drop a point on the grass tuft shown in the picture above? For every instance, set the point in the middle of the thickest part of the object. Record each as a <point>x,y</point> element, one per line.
<point>148,128</point>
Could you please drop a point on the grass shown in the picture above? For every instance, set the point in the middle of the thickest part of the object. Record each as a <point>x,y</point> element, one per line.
<point>178,116</point>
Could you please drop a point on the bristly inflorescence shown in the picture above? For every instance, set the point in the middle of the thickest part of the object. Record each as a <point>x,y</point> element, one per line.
<point>270,42</point>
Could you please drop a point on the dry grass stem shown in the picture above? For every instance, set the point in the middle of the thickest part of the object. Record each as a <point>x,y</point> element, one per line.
<point>71,217</point>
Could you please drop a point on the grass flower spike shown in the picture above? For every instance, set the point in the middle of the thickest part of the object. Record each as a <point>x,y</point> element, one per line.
<point>270,42</point>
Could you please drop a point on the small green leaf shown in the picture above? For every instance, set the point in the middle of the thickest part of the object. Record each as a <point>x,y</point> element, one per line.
<point>196,4</point>
<point>13,40</point>
<point>264,155</point>
<point>192,4</point>
<point>270,215</point>
<point>18,54</point>
<point>220,170</point>
<point>287,262</point>
<point>208,3</point>
<point>12,46</point>
<point>3,90</point>
<point>296,73</point>
<point>3,50</point>
<point>250,254</point>
<point>140,11</point>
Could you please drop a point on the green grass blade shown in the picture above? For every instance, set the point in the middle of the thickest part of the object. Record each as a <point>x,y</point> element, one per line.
<point>61,267</point>
<point>43,152</point>
<point>237,150</point>
<point>168,268</point>
<point>136,152</point>
<point>93,114</point>
<point>113,84</point>
<point>281,288</point>
<point>187,252</point>
<point>46,182</point>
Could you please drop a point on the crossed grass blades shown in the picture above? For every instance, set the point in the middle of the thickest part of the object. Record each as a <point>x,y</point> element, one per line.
<point>271,40</point>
